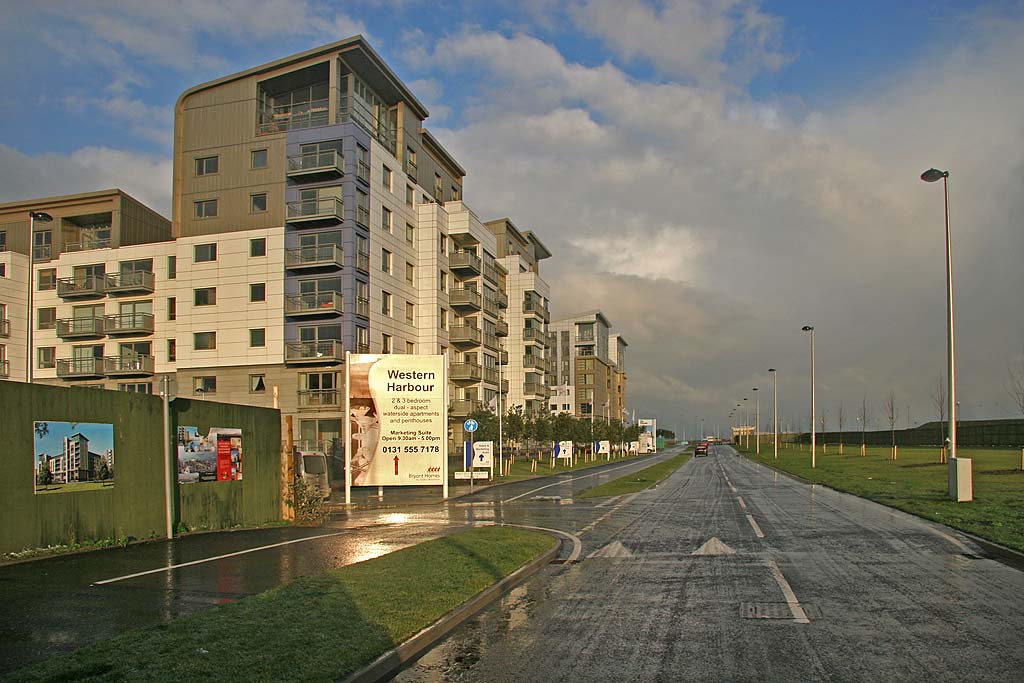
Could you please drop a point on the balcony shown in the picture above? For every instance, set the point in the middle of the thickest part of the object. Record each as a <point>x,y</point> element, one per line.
<point>363,310</point>
<point>491,341</point>
<point>410,168</point>
<point>491,274</point>
<point>504,386</point>
<point>81,328</point>
<point>465,372</point>
<point>552,340</point>
<point>129,366</point>
<point>464,263</point>
<point>584,337</point>
<point>465,335</point>
<point>363,262</point>
<point>129,323</point>
<point>79,368</point>
<point>130,282</point>
<point>363,216</point>
<point>535,389</point>
<point>363,171</point>
<point>535,363</point>
<point>316,165</point>
<point>314,352</point>
<point>491,375</point>
<point>501,328</point>
<point>86,245</point>
<point>503,357</point>
<point>316,211</point>
<point>5,327</point>
<point>534,335</point>
<point>5,368</point>
<point>537,309</point>
<point>284,117</point>
<point>320,399</point>
<point>585,352</point>
<point>42,252</point>
<point>502,299</point>
<point>464,298</point>
<point>311,258</point>
<point>87,287</point>
<point>324,303</point>
<point>463,407</point>
<point>362,347</point>
<point>490,306</point>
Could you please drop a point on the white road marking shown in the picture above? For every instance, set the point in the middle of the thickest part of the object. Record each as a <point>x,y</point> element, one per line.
<point>577,544</point>
<point>757,529</point>
<point>742,504</point>
<point>606,515</point>
<point>606,503</point>
<point>566,481</point>
<point>799,616</point>
<point>213,559</point>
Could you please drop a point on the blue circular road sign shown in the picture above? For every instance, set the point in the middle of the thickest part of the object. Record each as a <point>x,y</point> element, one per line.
<point>470,425</point>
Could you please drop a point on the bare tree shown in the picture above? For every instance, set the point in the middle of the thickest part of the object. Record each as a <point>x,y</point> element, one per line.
<point>840,419</point>
<point>865,415</point>
<point>939,401</point>
<point>1015,382</point>
<point>892,413</point>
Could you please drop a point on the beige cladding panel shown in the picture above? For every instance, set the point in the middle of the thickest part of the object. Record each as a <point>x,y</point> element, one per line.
<point>140,225</point>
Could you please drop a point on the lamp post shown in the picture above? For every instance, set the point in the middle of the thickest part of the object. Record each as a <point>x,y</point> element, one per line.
<point>746,423</point>
<point>42,217</point>
<point>757,421</point>
<point>775,409</point>
<point>814,444</point>
<point>930,176</point>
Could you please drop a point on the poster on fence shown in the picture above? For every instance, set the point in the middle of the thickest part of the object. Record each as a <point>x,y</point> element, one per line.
<point>73,456</point>
<point>217,456</point>
<point>397,420</point>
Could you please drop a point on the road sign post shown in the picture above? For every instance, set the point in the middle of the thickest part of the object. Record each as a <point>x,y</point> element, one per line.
<point>471,426</point>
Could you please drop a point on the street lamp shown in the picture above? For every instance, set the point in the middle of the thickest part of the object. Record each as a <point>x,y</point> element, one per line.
<point>757,421</point>
<point>42,217</point>
<point>775,409</point>
<point>746,423</point>
<point>930,176</point>
<point>814,444</point>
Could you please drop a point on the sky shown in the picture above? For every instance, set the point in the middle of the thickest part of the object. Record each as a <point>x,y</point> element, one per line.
<point>711,174</point>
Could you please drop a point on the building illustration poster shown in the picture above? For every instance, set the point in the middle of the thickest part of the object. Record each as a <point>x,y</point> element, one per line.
<point>214,457</point>
<point>396,426</point>
<point>73,456</point>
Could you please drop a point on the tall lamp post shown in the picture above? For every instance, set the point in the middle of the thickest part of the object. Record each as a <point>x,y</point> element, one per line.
<point>757,421</point>
<point>930,176</point>
<point>42,217</point>
<point>814,440</point>
<point>775,409</point>
<point>746,422</point>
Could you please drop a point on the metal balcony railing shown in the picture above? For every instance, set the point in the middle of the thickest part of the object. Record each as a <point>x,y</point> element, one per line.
<point>584,336</point>
<point>464,334</point>
<point>72,368</point>
<point>129,323</point>
<point>313,352</point>
<point>410,168</point>
<point>327,162</point>
<point>503,357</point>
<point>128,364</point>
<point>130,282</point>
<point>534,389</point>
<point>314,304</point>
<point>536,308</point>
<point>284,117</point>
<point>501,328</point>
<point>74,328</point>
<point>463,297</point>
<point>305,210</point>
<point>490,273</point>
<point>465,372</point>
<point>88,286</point>
<point>491,341</point>
<point>322,256</point>
<point>464,261</point>
<point>532,334</point>
<point>490,306</point>
<point>42,252</point>
<point>320,399</point>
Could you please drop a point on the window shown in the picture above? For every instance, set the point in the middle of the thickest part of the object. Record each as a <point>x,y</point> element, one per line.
<point>410,273</point>
<point>438,188</point>
<point>3,240</point>
<point>258,158</point>
<point>47,357</point>
<point>204,385</point>
<point>362,208</point>
<point>3,270</point>
<point>385,261</point>
<point>258,337</point>
<point>456,194</point>
<point>204,341</point>
<point>207,165</point>
<point>385,219</point>
<point>444,245</point>
<point>46,318</point>
<point>363,160</point>
<point>258,247</point>
<point>385,343</point>
<point>205,253</point>
<point>257,384</point>
<point>444,319</point>
<point>172,308</point>
<point>410,348</point>
<point>410,195</point>
<point>206,208</point>
<point>386,178</point>
<point>172,350</point>
<point>172,266</point>
<point>136,387</point>
<point>257,202</point>
<point>47,279</point>
<point>257,292</point>
<point>410,312</point>
<point>362,339</point>
<point>443,278</point>
<point>410,233</point>
<point>205,296</point>
<point>385,303</point>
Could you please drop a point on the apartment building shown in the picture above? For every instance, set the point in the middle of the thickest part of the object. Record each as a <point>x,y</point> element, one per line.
<point>589,366</point>
<point>313,214</point>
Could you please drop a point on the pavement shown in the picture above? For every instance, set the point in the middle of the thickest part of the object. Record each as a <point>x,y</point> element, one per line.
<point>55,605</point>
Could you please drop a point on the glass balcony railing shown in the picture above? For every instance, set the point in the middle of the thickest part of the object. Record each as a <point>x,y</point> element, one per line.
<point>465,372</point>
<point>322,256</point>
<point>42,252</point>
<point>314,304</point>
<point>128,364</point>
<point>502,299</point>
<point>129,282</point>
<point>462,407</point>
<point>72,368</point>
<point>463,297</point>
<point>363,307</point>
<point>464,334</point>
<point>327,208</point>
<point>363,216</point>
<point>129,323</point>
<point>501,328</point>
<point>363,171</point>
<point>363,262</point>
<point>86,245</point>
<point>86,286</point>
<point>320,399</point>
<point>537,309</point>
<point>465,261</point>
<point>75,328</point>
<point>326,163</point>
<point>314,352</point>
<point>285,117</point>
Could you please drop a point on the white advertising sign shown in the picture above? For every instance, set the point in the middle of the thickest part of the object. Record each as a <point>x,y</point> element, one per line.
<point>396,431</point>
<point>563,449</point>
<point>603,447</point>
<point>483,454</point>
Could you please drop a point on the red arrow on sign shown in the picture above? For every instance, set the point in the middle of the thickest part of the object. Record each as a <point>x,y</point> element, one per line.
<point>396,465</point>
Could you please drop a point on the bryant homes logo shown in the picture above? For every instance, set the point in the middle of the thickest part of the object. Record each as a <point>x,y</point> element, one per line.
<point>433,469</point>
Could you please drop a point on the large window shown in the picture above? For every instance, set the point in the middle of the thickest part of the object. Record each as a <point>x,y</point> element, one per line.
<point>47,357</point>
<point>258,337</point>
<point>205,253</point>
<point>385,219</point>
<point>47,279</point>
<point>258,158</point>
<point>206,208</point>
<point>207,165</point>
<point>204,341</point>
<point>258,247</point>
<point>205,296</point>
<point>206,384</point>
<point>385,303</point>
<point>46,318</point>
<point>257,292</point>
<point>258,202</point>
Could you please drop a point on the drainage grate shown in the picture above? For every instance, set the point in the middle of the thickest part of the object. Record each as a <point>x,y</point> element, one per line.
<point>775,610</point>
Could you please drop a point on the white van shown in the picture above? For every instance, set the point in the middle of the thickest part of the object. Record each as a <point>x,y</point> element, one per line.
<point>312,467</point>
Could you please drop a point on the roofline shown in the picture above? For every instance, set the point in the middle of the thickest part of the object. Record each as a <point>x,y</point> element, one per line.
<point>595,313</point>
<point>620,338</point>
<point>509,225</point>
<point>65,198</point>
<point>353,41</point>
<point>447,158</point>
<point>544,251</point>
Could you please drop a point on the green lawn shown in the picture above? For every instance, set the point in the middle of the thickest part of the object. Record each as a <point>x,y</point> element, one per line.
<point>74,486</point>
<point>917,483</point>
<point>638,481</point>
<point>521,468</point>
<point>313,629</point>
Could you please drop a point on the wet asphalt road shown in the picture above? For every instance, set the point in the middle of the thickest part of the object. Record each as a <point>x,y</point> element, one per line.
<point>55,605</point>
<point>804,584</point>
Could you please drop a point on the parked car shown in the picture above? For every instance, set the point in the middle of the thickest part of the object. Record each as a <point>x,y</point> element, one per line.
<point>701,449</point>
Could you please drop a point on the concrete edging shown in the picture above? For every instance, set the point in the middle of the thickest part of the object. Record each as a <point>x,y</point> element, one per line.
<point>391,661</point>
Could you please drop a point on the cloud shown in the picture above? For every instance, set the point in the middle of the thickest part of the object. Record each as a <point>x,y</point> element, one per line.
<point>145,177</point>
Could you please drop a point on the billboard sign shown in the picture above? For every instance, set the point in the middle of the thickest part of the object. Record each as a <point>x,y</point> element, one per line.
<point>563,449</point>
<point>397,413</point>
<point>73,456</point>
<point>483,454</point>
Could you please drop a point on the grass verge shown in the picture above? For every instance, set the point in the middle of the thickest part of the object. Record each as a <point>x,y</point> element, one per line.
<point>917,483</point>
<point>521,468</point>
<point>638,481</point>
<point>313,629</point>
